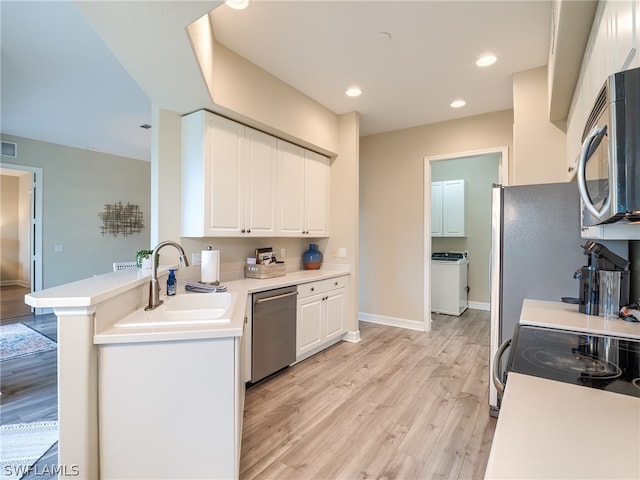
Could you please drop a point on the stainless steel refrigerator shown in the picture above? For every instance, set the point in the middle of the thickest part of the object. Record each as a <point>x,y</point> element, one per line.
<point>535,249</point>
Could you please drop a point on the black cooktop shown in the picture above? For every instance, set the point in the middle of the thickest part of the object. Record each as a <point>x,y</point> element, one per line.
<point>596,361</point>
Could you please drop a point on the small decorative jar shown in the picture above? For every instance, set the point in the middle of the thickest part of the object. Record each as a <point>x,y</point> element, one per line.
<point>312,258</point>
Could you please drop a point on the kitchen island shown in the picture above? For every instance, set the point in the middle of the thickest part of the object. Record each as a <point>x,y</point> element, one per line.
<point>88,311</point>
<point>549,429</point>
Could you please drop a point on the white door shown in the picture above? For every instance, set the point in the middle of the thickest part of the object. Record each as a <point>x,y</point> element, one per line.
<point>291,185</point>
<point>260,183</point>
<point>224,188</point>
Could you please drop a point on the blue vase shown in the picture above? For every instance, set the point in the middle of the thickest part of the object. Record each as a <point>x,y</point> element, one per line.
<point>312,258</point>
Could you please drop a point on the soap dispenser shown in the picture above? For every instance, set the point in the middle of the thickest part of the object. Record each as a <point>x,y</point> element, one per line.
<point>172,284</point>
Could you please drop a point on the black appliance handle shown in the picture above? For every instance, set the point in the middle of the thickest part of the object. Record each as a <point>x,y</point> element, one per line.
<point>496,365</point>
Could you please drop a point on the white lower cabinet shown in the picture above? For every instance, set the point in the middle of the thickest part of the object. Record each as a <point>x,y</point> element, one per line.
<point>171,409</point>
<point>321,315</point>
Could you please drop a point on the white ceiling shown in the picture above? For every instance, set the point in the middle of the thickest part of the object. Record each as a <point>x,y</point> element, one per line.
<point>69,80</point>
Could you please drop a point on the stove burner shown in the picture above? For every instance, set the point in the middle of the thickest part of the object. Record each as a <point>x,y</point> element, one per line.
<point>636,382</point>
<point>571,363</point>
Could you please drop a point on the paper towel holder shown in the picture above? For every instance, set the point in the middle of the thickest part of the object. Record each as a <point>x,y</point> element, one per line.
<point>217,281</point>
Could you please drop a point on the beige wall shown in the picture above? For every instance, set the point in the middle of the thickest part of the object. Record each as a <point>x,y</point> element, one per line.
<point>245,92</point>
<point>76,185</point>
<point>9,261</point>
<point>392,254</point>
<point>539,147</point>
<point>479,173</point>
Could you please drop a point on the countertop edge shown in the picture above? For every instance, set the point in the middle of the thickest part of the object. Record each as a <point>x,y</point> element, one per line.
<point>244,287</point>
<point>566,316</point>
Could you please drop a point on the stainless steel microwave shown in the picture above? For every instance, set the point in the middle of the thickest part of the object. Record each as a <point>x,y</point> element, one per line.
<point>609,166</point>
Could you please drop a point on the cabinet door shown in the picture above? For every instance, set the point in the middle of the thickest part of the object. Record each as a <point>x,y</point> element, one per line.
<point>317,172</point>
<point>453,208</point>
<point>309,324</point>
<point>291,185</point>
<point>436,209</point>
<point>260,183</point>
<point>224,181</point>
<point>334,311</point>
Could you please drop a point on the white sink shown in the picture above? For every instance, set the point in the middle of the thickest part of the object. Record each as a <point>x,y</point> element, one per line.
<point>186,309</point>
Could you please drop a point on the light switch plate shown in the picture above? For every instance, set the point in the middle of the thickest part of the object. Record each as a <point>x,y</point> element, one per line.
<point>342,252</point>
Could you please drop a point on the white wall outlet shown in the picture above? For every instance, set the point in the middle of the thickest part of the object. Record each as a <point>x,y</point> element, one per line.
<point>282,252</point>
<point>196,259</point>
<point>342,252</point>
<point>58,248</point>
<point>334,252</point>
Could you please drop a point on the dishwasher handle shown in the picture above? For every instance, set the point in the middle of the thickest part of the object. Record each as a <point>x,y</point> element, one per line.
<point>275,297</point>
<point>496,365</point>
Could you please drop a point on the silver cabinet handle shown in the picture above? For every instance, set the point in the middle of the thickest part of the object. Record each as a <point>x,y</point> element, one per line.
<point>276,297</point>
<point>496,365</point>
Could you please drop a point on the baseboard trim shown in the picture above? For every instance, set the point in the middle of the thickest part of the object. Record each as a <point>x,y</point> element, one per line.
<point>480,306</point>
<point>391,321</point>
<point>13,283</point>
<point>352,336</point>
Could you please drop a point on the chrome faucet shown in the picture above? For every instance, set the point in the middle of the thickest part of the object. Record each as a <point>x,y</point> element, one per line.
<point>154,287</point>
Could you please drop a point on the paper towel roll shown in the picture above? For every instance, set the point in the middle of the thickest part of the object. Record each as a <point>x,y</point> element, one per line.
<point>210,266</point>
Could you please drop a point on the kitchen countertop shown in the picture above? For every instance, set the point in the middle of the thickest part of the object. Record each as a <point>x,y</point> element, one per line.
<point>549,430</point>
<point>567,317</point>
<point>91,291</point>
<point>552,430</point>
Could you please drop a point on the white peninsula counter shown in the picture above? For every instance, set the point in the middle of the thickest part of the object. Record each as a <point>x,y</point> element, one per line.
<point>89,336</point>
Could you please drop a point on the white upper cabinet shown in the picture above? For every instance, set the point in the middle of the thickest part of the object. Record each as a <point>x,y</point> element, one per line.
<point>290,196</point>
<point>436,209</point>
<point>260,183</point>
<point>228,178</point>
<point>303,192</point>
<point>613,45</point>
<point>447,208</point>
<point>316,198</point>
<point>237,181</point>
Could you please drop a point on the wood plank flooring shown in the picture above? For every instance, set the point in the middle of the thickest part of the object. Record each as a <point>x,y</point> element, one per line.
<point>398,405</point>
<point>29,388</point>
<point>12,301</point>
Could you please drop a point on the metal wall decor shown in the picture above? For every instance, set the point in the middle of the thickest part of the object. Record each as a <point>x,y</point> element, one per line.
<point>118,219</point>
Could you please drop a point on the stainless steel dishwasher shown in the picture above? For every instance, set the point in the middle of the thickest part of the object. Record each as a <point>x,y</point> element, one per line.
<point>274,331</point>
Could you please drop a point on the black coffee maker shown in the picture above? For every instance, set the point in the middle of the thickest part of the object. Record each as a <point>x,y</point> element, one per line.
<point>600,258</point>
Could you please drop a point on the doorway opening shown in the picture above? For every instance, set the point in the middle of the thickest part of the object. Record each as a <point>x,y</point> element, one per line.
<point>24,209</point>
<point>493,164</point>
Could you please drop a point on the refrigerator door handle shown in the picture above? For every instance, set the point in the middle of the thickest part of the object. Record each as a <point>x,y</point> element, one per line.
<point>497,381</point>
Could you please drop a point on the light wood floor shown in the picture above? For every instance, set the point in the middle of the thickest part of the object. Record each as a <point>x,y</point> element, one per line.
<point>398,405</point>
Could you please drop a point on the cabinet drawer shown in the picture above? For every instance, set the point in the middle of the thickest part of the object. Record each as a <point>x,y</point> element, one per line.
<point>311,288</point>
<point>333,283</point>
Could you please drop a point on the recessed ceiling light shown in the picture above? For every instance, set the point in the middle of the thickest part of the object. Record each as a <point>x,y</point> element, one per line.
<point>486,60</point>
<point>353,92</point>
<point>458,103</point>
<point>237,4</point>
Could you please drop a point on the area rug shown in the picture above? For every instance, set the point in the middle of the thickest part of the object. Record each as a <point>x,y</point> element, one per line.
<point>16,340</point>
<point>22,444</point>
